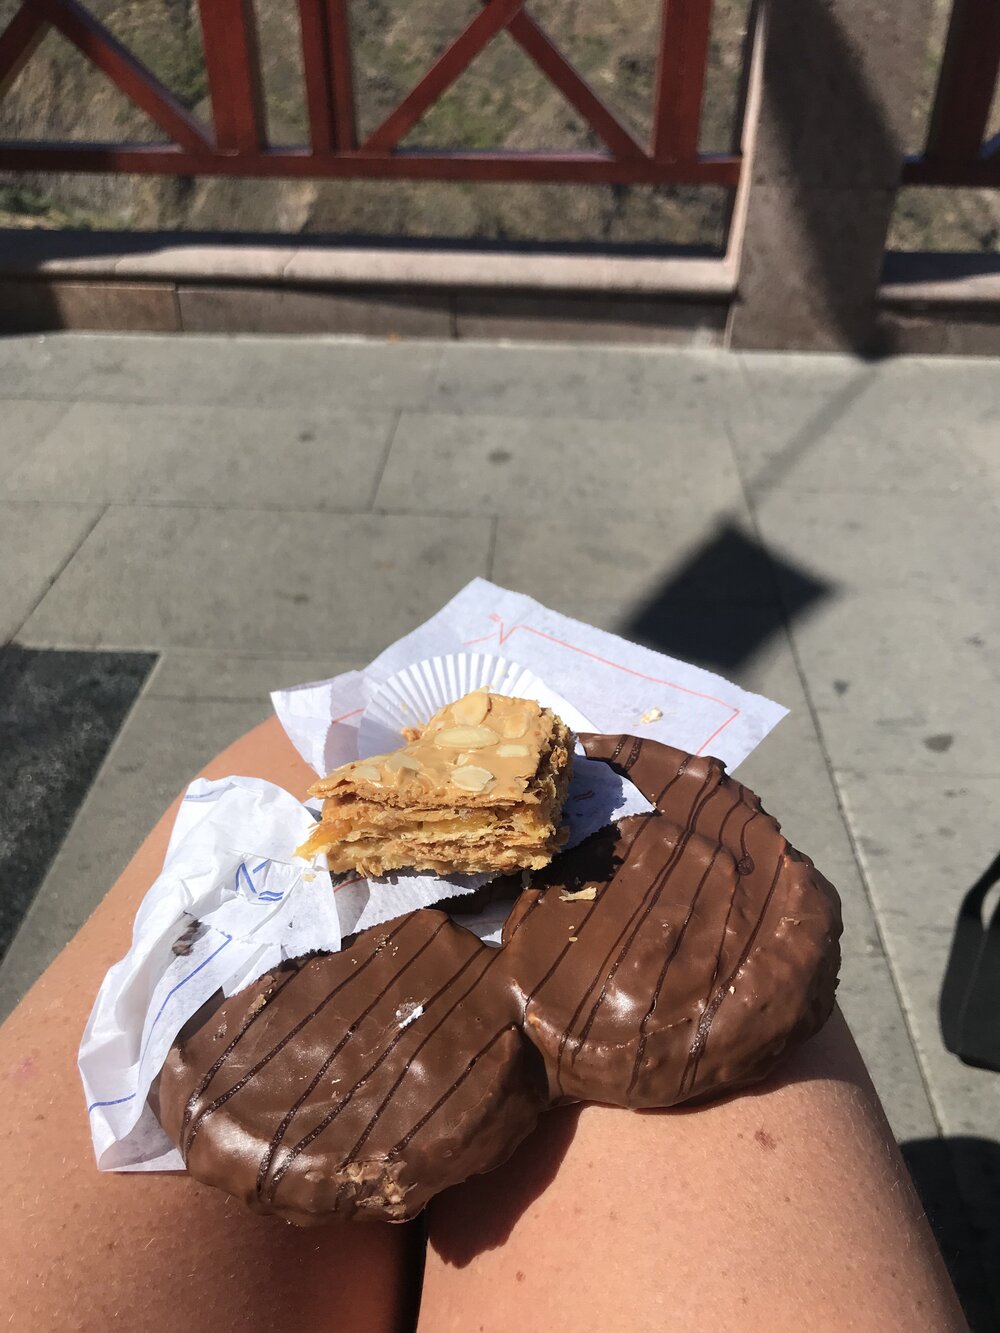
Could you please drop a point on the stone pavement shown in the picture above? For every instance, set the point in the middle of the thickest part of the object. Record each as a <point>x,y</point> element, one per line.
<point>263,512</point>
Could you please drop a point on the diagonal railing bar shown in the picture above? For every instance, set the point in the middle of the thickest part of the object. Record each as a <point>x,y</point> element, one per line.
<point>535,42</point>
<point>232,64</point>
<point>18,42</point>
<point>496,15</point>
<point>329,75</point>
<point>139,84</point>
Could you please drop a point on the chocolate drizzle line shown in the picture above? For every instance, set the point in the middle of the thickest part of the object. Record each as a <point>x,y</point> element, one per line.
<point>210,1074</point>
<point>650,900</point>
<point>331,1115</point>
<point>252,1073</point>
<point>621,746</point>
<point>708,1017</point>
<point>266,1189</point>
<point>745,866</point>
<point>648,821</point>
<point>282,1129</point>
<point>678,941</point>
<point>370,1127</point>
<point>425,1119</point>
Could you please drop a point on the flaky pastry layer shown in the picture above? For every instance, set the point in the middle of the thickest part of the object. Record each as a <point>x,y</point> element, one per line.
<point>479,789</point>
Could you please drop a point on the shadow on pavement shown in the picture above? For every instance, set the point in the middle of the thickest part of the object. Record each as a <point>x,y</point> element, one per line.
<point>707,610</point>
<point>812,62</point>
<point>59,715</point>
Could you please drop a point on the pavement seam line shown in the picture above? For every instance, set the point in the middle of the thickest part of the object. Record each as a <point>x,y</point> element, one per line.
<point>887,953</point>
<point>491,552</point>
<point>383,462</point>
<point>210,508</point>
<point>63,566</point>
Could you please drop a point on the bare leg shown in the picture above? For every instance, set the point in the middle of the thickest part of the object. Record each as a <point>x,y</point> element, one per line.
<point>157,1252</point>
<point>788,1208</point>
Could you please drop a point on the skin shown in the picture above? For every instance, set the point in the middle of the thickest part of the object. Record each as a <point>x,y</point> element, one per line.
<point>788,1207</point>
<point>90,1250</point>
<point>785,1208</point>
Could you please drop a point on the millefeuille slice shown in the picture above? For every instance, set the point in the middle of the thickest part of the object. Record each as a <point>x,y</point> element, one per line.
<point>479,789</point>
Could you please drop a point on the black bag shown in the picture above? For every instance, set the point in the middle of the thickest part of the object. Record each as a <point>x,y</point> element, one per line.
<point>969,1008</point>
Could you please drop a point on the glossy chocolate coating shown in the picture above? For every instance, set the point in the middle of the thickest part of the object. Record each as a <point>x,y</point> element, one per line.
<point>330,1097</point>
<point>363,1083</point>
<point>711,945</point>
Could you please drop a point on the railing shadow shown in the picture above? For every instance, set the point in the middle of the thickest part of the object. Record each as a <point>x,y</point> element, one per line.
<point>35,245</point>
<point>824,131</point>
<point>902,268</point>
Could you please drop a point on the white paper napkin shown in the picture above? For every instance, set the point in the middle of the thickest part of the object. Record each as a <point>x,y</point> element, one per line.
<point>230,903</point>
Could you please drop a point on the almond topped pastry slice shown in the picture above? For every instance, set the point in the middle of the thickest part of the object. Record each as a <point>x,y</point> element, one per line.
<point>480,788</point>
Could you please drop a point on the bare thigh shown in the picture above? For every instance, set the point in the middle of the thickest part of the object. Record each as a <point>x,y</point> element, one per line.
<point>88,1250</point>
<point>785,1208</point>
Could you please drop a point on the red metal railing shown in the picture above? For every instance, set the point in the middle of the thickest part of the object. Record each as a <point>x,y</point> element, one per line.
<point>236,142</point>
<point>957,152</point>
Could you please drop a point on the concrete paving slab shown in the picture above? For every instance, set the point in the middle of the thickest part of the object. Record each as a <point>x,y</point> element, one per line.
<point>864,432</point>
<point>48,365</point>
<point>305,458</point>
<point>799,372</point>
<point>257,581</point>
<point>25,422</point>
<point>901,405</point>
<point>867,996</point>
<point>272,372</point>
<point>631,557</point>
<point>35,542</point>
<point>607,382</point>
<point>162,745</point>
<point>924,841</point>
<point>193,675</point>
<point>882,541</point>
<point>559,465</point>
<point>901,686</point>
<point>789,772</point>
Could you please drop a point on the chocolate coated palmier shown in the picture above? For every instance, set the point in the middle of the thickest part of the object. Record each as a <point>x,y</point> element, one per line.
<point>708,947</point>
<point>358,1083</point>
